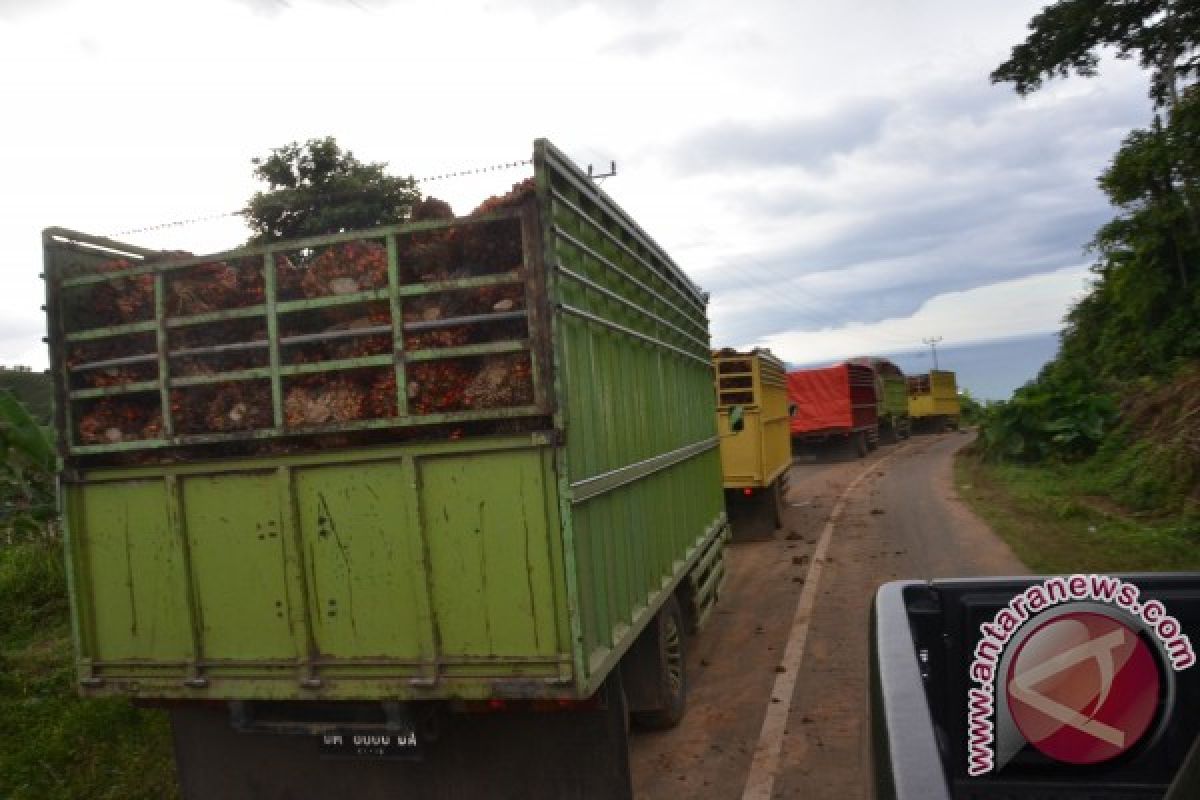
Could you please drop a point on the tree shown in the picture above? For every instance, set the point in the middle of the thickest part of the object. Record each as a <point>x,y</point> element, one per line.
<point>1069,37</point>
<point>318,188</point>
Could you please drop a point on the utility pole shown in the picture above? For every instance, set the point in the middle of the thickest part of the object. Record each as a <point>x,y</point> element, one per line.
<point>932,341</point>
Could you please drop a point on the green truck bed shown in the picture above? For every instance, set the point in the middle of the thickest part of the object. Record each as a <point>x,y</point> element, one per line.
<point>513,548</point>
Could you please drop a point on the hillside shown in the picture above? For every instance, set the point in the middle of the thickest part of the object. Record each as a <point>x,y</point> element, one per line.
<point>34,389</point>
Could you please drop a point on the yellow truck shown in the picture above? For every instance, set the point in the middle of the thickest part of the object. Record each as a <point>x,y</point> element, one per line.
<point>753,412</point>
<point>933,401</point>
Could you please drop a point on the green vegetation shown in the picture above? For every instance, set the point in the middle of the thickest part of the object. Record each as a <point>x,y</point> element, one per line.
<point>33,389</point>
<point>1139,318</point>
<point>1096,464</point>
<point>52,743</point>
<point>971,409</point>
<point>318,188</point>
<point>1045,420</point>
<point>1059,518</point>
<point>27,506</point>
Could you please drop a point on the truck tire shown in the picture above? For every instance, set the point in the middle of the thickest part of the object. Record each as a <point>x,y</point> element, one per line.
<point>859,439</point>
<point>668,632</point>
<point>778,491</point>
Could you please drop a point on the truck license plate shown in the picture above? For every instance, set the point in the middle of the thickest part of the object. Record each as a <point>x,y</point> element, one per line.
<point>370,744</point>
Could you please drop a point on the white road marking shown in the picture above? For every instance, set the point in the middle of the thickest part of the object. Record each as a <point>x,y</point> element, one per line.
<point>760,781</point>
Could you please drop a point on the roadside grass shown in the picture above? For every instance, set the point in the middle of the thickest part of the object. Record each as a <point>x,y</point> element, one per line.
<point>54,744</point>
<point>1056,521</point>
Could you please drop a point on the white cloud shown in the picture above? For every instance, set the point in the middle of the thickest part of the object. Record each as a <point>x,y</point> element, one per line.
<point>1032,304</point>
<point>129,113</point>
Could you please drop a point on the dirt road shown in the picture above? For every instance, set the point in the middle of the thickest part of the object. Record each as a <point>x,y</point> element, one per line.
<point>778,680</point>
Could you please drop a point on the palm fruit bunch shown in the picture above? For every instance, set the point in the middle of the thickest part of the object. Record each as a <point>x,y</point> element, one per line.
<point>436,387</point>
<point>498,381</point>
<point>503,381</point>
<point>106,349</point>
<point>222,408</point>
<point>115,301</point>
<point>316,400</point>
<point>495,246</point>
<point>325,400</point>
<point>345,269</point>
<point>381,399</point>
<point>442,337</point>
<point>430,308</point>
<point>234,331</point>
<point>339,320</point>
<point>508,297</point>
<point>425,255</point>
<point>115,420</point>
<point>215,286</point>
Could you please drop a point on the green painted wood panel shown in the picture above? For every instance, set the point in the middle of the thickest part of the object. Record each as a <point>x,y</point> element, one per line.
<point>489,553</point>
<point>636,377</point>
<point>362,548</point>
<point>237,541</point>
<point>135,578</point>
<point>895,395</point>
<point>459,562</point>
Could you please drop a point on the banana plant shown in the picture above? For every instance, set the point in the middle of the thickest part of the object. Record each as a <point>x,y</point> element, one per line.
<point>27,461</point>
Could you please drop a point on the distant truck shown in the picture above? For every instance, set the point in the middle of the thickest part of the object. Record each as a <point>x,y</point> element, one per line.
<point>894,420</point>
<point>933,401</point>
<point>752,421</point>
<point>364,508</point>
<point>835,405</point>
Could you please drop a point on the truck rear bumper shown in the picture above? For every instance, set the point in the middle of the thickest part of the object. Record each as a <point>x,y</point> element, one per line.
<point>569,754</point>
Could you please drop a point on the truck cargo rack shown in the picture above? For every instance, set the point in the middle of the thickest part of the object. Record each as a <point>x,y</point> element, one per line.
<point>153,381</point>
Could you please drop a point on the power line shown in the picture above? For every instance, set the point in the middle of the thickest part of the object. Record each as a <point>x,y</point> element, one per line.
<point>476,171</point>
<point>179,223</point>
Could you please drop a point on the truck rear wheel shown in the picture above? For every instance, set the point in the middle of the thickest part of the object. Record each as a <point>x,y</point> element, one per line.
<point>860,443</point>
<point>670,665</point>
<point>889,432</point>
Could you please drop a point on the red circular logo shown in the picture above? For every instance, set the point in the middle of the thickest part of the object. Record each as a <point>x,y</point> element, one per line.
<point>1083,688</point>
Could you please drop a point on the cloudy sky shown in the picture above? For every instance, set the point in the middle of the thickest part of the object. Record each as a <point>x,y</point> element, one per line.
<point>840,176</point>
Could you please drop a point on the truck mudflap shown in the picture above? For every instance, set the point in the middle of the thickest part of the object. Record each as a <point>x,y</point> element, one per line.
<point>579,754</point>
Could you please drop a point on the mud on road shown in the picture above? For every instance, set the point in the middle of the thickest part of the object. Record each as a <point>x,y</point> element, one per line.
<point>902,519</point>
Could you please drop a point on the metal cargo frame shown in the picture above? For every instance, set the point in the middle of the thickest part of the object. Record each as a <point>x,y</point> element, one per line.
<point>518,564</point>
<point>934,394</point>
<point>761,452</point>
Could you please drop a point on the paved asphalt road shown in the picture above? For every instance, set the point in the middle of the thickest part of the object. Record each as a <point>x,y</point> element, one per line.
<point>902,519</point>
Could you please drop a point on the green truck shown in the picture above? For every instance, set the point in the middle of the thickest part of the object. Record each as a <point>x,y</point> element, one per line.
<point>892,389</point>
<point>364,508</point>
